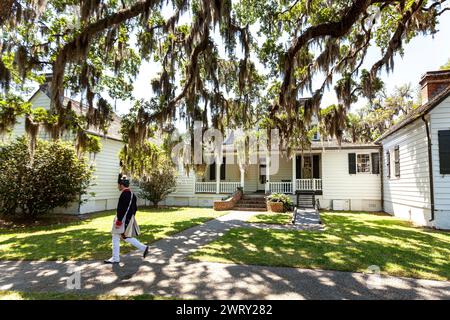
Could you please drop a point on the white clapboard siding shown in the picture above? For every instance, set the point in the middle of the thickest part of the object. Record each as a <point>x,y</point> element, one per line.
<point>337,183</point>
<point>107,167</point>
<point>411,190</point>
<point>185,183</point>
<point>284,171</point>
<point>440,120</point>
<point>39,100</point>
<point>251,178</point>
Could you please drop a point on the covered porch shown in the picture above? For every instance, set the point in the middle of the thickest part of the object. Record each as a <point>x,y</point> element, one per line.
<point>299,173</point>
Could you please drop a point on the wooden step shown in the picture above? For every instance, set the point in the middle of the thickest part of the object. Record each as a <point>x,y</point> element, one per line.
<point>252,202</point>
<point>249,209</point>
<point>251,205</point>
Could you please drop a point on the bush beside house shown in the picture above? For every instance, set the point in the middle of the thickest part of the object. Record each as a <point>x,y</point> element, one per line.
<point>35,182</point>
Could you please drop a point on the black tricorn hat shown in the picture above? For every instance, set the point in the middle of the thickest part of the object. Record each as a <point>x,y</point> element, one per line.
<point>123,180</point>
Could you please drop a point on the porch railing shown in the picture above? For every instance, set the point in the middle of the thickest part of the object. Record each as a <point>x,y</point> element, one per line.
<point>272,186</point>
<point>229,187</point>
<point>308,184</point>
<point>205,187</point>
<point>210,187</point>
<point>280,187</point>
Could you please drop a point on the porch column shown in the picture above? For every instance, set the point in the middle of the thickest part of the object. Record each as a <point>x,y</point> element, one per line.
<point>218,164</point>
<point>294,172</point>
<point>267,185</point>
<point>242,171</point>
<point>195,182</point>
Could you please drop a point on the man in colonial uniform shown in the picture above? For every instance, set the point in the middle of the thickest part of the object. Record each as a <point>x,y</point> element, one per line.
<point>124,225</point>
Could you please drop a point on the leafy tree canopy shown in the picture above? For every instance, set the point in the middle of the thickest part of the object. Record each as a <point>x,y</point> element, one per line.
<point>95,47</point>
<point>446,66</point>
<point>370,122</point>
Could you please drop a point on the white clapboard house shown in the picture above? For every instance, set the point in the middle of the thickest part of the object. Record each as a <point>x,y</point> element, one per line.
<point>416,158</point>
<point>343,177</point>
<point>405,173</point>
<point>103,194</point>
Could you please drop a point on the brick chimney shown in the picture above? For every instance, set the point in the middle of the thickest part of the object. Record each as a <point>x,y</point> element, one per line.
<point>433,82</point>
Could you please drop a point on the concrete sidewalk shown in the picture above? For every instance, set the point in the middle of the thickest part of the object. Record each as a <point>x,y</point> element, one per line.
<point>167,273</point>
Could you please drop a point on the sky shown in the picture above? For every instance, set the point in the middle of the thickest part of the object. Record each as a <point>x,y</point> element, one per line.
<point>422,54</point>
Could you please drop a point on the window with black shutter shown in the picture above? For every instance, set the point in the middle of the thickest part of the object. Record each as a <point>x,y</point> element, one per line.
<point>212,171</point>
<point>298,167</point>
<point>316,166</point>
<point>388,164</point>
<point>352,163</point>
<point>222,170</point>
<point>375,163</point>
<point>397,161</point>
<point>444,151</point>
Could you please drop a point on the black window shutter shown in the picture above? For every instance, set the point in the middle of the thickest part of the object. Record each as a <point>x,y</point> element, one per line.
<point>222,170</point>
<point>388,164</point>
<point>298,168</point>
<point>212,171</point>
<point>316,166</point>
<point>352,163</point>
<point>375,163</point>
<point>397,161</point>
<point>444,151</point>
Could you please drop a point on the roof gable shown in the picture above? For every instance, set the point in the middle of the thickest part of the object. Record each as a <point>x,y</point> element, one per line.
<point>417,113</point>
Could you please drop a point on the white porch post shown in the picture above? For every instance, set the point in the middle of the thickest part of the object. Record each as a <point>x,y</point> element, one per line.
<point>294,172</point>
<point>195,182</point>
<point>242,178</point>
<point>267,173</point>
<point>218,164</point>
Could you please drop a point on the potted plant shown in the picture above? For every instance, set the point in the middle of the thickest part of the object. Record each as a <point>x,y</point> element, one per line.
<point>278,202</point>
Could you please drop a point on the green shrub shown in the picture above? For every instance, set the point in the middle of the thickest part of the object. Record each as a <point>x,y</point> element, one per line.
<point>158,183</point>
<point>280,197</point>
<point>34,184</point>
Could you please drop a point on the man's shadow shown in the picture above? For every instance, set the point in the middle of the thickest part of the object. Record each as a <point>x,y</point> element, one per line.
<point>126,269</point>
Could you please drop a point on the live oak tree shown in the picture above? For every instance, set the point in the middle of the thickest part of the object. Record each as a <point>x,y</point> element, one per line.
<point>95,47</point>
<point>446,66</point>
<point>380,114</point>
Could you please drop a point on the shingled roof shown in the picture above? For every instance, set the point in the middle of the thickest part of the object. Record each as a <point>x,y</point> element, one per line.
<point>417,113</point>
<point>113,129</point>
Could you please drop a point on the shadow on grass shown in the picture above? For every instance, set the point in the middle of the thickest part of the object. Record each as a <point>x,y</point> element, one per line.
<point>348,244</point>
<point>81,243</point>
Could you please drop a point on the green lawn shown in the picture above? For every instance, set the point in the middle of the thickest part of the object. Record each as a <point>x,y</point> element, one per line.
<point>16,295</point>
<point>91,238</point>
<point>272,218</point>
<point>351,242</point>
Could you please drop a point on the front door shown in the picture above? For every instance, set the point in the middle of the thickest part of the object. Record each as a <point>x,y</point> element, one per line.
<point>262,177</point>
<point>262,174</point>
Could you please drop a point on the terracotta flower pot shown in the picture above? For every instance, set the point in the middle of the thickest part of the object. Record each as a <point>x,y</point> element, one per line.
<point>275,206</point>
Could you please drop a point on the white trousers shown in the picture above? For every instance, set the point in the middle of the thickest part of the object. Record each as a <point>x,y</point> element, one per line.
<point>116,245</point>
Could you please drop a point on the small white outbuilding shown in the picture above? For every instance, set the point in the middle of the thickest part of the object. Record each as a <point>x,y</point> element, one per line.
<point>416,158</point>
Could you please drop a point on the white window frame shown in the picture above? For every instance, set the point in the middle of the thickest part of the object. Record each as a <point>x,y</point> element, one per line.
<point>369,163</point>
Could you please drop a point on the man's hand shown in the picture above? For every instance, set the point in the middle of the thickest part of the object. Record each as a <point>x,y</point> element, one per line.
<point>118,224</point>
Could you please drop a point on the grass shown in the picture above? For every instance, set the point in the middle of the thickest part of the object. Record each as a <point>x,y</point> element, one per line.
<point>351,242</point>
<point>91,238</point>
<point>272,218</point>
<point>17,295</point>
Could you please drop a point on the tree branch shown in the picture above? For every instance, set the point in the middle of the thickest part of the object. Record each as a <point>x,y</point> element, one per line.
<point>66,53</point>
<point>332,29</point>
<point>396,39</point>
